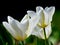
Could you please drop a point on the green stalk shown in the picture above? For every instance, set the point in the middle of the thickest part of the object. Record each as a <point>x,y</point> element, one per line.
<point>45,37</point>
<point>16,42</point>
<point>22,42</point>
<point>19,42</point>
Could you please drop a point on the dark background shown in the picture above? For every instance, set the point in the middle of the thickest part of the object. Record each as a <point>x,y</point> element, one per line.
<point>17,9</point>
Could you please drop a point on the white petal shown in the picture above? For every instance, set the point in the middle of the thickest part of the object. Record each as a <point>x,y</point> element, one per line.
<point>42,17</point>
<point>24,26</point>
<point>20,28</point>
<point>48,30</point>
<point>31,13</point>
<point>38,8</point>
<point>24,23</point>
<point>46,18</point>
<point>25,18</point>
<point>9,18</point>
<point>38,31</point>
<point>32,23</point>
<point>9,29</point>
<point>50,12</point>
<point>46,8</point>
<point>42,34</point>
<point>15,25</point>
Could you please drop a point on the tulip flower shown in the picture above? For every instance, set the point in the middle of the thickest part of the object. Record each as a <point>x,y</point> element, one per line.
<point>39,32</point>
<point>40,21</point>
<point>17,29</point>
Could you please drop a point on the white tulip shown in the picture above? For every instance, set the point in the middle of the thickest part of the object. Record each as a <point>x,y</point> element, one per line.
<point>39,20</point>
<point>17,29</point>
<point>39,32</point>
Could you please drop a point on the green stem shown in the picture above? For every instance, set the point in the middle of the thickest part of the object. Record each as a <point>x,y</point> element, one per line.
<point>45,37</point>
<point>22,42</point>
<point>16,42</point>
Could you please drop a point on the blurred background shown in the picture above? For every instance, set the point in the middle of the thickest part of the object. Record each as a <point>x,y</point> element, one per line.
<point>17,9</point>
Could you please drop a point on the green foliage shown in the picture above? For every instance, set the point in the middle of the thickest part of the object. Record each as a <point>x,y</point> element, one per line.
<point>55,36</point>
<point>5,37</point>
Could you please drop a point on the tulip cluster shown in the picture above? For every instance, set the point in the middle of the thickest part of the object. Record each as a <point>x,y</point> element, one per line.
<point>33,23</point>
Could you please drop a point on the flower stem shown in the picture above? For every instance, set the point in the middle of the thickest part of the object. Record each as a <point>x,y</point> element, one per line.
<point>23,43</point>
<point>19,42</point>
<point>16,42</point>
<point>45,37</point>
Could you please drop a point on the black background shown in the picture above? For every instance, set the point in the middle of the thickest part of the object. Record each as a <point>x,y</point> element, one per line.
<point>17,9</point>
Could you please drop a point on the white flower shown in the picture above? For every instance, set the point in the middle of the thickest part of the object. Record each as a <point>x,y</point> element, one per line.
<point>17,29</point>
<point>39,20</point>
<point>39,32</point>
